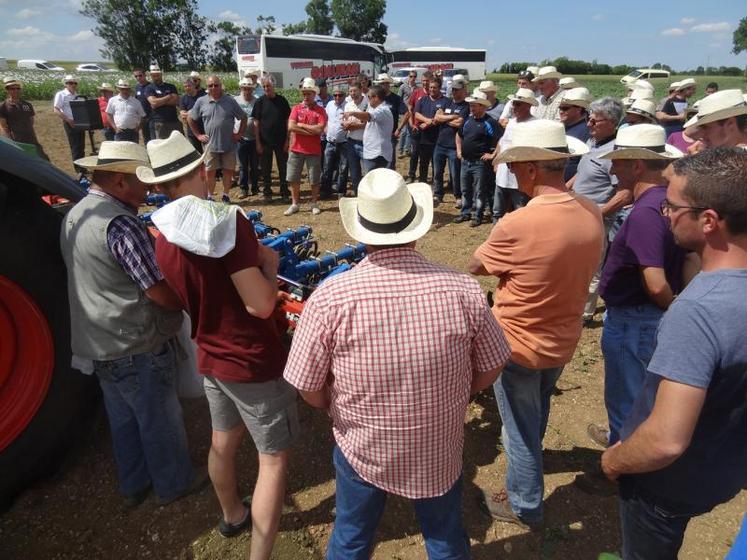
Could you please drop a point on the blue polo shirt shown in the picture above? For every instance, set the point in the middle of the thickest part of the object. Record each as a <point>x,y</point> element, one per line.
<point>186,102</point>
<point>446,133</point>
<point>479,136</point>
<point>168,112</point>
<point>140,96</point>
<point>428,107</point>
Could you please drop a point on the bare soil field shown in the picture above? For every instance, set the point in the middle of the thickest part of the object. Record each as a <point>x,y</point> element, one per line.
<point>78,513</point>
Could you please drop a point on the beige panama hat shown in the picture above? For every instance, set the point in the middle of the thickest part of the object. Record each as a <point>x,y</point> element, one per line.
<point>106,86</point>
<point>547,73</point>
<point>117,157</point>
<point>123,84</point>
<point>642,141</point>
<point>541,140</point>
<point>7,82</point>
<point>154,69</point>
<point>195,75</point>
<point>533,69</point>
<point>568,82</point>
<point>308,84</point>
<point>524,95</point>
<point>673,86</point>
<point>686,83</point>
<point>386,210</point>
<point>718,106</point>
<point>643,84</point>
<point>638,93</point>
<point>478,96</point>
<point>645,108</point>
<point>487,85</point>
<point>247,82</point>
<point>170,159</point>
<point>69,78</point>
<point>578,96</point>
<point>383,79</point>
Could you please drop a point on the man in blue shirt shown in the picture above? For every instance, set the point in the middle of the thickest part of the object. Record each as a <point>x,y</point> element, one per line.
<point>163,99</point>
<point>141,84</point>
<point>450,119</point>
<point>683,448</point>
<point>186,102</point>
<point>335,150</point>
<point>425,112</point>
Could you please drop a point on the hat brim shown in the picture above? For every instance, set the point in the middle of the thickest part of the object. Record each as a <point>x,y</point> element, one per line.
<point>719,115</point>
<point>125,166</point>
<point>648,116</point>
<point>576,103</point>
<point>420,225</point>
<point>314,89</point>
<point>483,102</point>
<point>124,87</point>
<point>548,76</point>
<point>532,102</point>
<point>670,152</point>
<point>146,175</point>
<point>532,153</point>
<point>494,89</point>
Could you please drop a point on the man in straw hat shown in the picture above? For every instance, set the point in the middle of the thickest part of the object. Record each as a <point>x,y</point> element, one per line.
<point>683,449</point>
<point>227,282</point>
<point>17,116</point>
<point>568,82</point>
<point>395,375</point>
<point>476,147</point>
<point>574,111</point>
<point>247,151</point>
<point>721,120</point>
<point>640,112</point>
<point>495,109</point>
<point>523,81</point>
<point>163,99</point>
<point>642,273</point>
<point>124,113</point>
<point>106,92</point>
<point>124,320</point>
<point>543,257</point>
<point>307,121</point>
<point>61,106</point>
<point>548,83</point>
<point>673,114</point>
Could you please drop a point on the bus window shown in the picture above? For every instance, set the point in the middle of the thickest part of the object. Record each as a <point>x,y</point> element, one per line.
<point>249,45</point>
<point>380,63</point>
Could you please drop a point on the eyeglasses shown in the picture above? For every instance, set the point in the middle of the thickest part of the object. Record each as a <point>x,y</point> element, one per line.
<point>592,121</point>
<point>72,83</point>
<point>338,95</point>
<point>139,75</point>
<point>565,108</point>
<point>668,207</point>
<point>213,85</point>
<point>412,76</point>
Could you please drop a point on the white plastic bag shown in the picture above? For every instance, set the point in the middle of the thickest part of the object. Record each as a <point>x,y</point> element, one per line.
<point>188,380</point>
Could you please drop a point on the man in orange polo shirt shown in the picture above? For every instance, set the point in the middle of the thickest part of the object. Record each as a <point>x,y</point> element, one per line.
<point>544,256</point>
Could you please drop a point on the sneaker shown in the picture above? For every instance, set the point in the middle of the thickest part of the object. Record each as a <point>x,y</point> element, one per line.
<point>255,191</point>
<point>199,482</point>
<point>315,209</point>
<point>244,194</point>
<point>461,218</point>
<point>458,203</point>
<point>225,198</point>
<point>499,508</point>
<point>228,530</point>
<point>598,434</point>
<point>137,498</point>
<point>437,200</point>
<point>476,222</point>
<point>292,209</point>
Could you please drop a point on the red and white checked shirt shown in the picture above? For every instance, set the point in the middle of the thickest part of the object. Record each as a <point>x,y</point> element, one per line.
<point>399,340</point>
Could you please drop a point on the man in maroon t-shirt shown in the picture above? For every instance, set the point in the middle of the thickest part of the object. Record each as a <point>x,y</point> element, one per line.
<point>305,125</point>
<point>227,282</point>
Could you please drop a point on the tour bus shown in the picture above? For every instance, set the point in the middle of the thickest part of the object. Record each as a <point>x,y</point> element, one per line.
<point>441,58</point>
<point>290,59</point>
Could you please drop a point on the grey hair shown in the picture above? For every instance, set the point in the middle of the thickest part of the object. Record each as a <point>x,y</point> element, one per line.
<point>268,79</point>
<point>609,107</point>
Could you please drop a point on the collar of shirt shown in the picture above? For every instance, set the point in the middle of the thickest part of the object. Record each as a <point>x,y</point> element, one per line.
<point>95,191</point>
<point>398,254</point>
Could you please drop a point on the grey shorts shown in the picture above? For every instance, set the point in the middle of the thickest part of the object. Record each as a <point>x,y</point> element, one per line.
<point>220,160</point>
<point>267,409</point>
<point>295,166</point>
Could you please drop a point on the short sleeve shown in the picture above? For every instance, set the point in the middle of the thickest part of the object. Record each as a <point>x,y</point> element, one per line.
<point>647,237</point>
<point>687,349</point>
<point>419,105</point>
<point>256,110</point>
<point>495,254</point>
<point>286,108</point>
<point>490,349</point>
<point>57,103</point>
<point>294,114</point>
<point>238,112</point>
<point>309,360</point>
<point>3,111</point>
<point>245,253</point>
<point>194,112</point>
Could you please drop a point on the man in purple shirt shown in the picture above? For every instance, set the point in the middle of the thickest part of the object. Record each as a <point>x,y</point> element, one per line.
<point>642,275</point>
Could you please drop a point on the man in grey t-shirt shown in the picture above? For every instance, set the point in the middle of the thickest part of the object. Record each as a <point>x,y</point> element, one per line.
<point>217,113</point>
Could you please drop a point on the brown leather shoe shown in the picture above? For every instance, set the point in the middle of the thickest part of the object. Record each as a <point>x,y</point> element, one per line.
<point>499,508</point>
<point>598,434</point>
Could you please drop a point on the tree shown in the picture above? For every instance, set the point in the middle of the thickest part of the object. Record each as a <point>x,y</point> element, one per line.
<point>221,53</point>
<point>139,32</point>
<point>740,37</point>
<point>360,19</point>
<point>319,20</point>
<point>266,24</point>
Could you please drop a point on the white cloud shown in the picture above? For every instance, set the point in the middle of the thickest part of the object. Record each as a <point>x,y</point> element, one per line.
<point>395,41</point>
<point>83,35</point>
<point>598,17</point>
<point>27,13</point>
<point>711,27</point>
<point>229,15</point>
<point>687,21</point>
<point>673,32</point>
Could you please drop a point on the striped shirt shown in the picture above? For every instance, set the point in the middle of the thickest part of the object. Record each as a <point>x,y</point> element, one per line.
<point>399,339</point>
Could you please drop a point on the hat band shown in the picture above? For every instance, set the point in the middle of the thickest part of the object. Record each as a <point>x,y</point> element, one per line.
<point>176,164</point>
<point>394,227</point>
<point>563,149</point>
<point>658,149</point>
<point>106,161</point>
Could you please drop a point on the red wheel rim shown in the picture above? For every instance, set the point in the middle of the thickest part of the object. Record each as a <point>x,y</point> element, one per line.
<point>26,360</point>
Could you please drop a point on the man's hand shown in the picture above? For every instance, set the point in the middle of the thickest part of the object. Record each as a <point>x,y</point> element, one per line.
<point>396,133</point>
<point>286,146</point>
<point>236,136</point>
<point>486,157</point>
<point>459,155</point>
<point>204,138</point>
<point>609,472</point>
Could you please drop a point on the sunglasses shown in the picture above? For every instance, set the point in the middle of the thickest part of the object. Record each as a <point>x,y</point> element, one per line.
<point>565,108</point>
<point>73,83</point>
<point>214,85</point>
<point>139,75</point>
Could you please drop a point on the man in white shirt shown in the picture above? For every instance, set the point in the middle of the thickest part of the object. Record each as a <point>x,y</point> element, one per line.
<point>124,114</point>
<point>335,151</point>
<point>356,102</point>
<point>61,105</point>
<point>377,136</point>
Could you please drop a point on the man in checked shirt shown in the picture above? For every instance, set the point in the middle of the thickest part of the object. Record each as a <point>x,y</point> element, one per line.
<point>394,357</point>
<point>124,318</point>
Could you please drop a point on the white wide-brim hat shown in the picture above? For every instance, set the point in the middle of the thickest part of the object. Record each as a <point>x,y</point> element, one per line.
<point>106,86</point>
<point>247,82</point>
<point>718,106</point>
<point>169,159</point>
<point>568,82</point>
<point>194,74</point>
<point>123,84</point>
<point>487,85</point>
<point>478,96</point>
<point>686,83</point>
<point>541,140</point>
<point>578,96</point>
<point>69,78</point>
<point>309,84</point>
<point>117,157</point>
<point>524,95</point>
<point>646,108</point>
<point>547,73</point>
<point>155,69</point>
<point>386,210</point>
<point>383,79</point>
<point>642,141</point>
<point>7,82</point>
<point>643,84</point>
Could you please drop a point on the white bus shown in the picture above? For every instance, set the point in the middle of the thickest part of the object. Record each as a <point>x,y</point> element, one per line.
<point>295,57</point>
<point>441,58</point>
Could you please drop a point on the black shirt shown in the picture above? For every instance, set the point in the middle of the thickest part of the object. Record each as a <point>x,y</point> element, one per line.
<point>140,96</point>
<point>447,133</point>
<point>479,136</point>
<point>186,102</point>
<point>428,107</point>
<point>165,113</point>
<point>395,104</point>
<point>272,114</point>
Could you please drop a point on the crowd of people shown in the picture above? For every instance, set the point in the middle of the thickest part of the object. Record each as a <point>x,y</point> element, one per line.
<point>606,204</point>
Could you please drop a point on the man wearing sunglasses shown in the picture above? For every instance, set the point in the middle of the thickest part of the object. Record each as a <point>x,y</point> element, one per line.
<point>17,117</point>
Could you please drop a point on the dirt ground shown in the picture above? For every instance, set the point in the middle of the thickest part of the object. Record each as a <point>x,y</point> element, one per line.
<point>78,514</point>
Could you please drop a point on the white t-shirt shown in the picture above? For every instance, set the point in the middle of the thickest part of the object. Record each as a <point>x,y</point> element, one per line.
<point>377,136</point>
<point>503,177</point>
<point>62,101</point>
<point>126,113</point>
<point>351,106</point>
<point>508,110</point>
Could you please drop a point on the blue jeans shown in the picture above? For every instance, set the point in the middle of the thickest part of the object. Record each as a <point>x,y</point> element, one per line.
<point>375,163</point>
<point>628,342</point>
<point>523,396</point>
<point>355,155</point>
<point>150,443</point>
<point>504,198</point>
<point>404,139</point>
<point>476,178</point>
<point>246,152</point>
<point>440,156</point>
<point>335,158</point>
<point>360,506</point>
<point>131,135</point>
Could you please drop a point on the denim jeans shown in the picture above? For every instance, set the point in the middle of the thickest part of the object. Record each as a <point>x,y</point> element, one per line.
<point>404,140</point>
<point>475,180</point>
<point>376,163</point>
<point>360,506</point>
<point>150,443</point>
<point>355,155</point>
<point>246,153</point>
<point>523,397</point>
<point>628,342</point>
<point>503,198</point>
<point>440,156</point>
<point>108,133</point>
<point>131,135</point>
<point>335,158</point>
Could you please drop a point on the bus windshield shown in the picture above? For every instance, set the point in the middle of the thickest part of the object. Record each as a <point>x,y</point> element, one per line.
<point>249,45</point>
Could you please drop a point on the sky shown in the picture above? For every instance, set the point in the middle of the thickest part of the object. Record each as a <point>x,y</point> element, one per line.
<point>683,34</point>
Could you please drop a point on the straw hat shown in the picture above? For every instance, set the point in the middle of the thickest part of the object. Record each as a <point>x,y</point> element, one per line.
<point>169,159</point>
<point>247,82</point>
<point>155,69</point>
<point>123,84</point>
<point>533,69</point>
<point>195,75</point>
<point>646,108</point>
<point>69,78</point>
<point>642,141</point>
<point>673,86</point>
<point>383,79</point>
<point>106,86</point>
<point>387,211</point>
<point>547,73</point>
<point>524,95</point>
<point>7,82</point>
<point>578,96</point>
<point>643,84</point>
<point>541,140</point>
<point>638,93</point>
<point>686,83</point>
<point>487,85</point>
<point>569,82</point>
<point>719,106</point>
<point>117,157</point>
<point>308,84</point>
<point>478,96</point>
